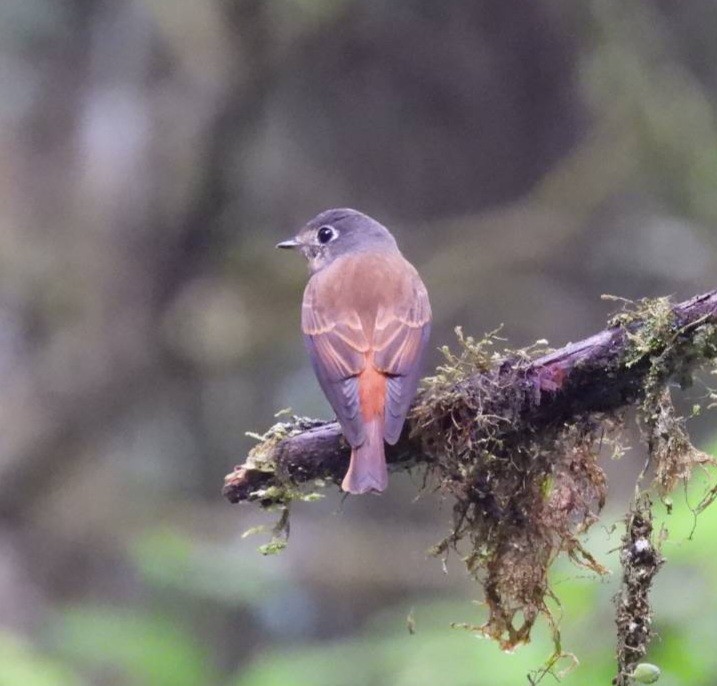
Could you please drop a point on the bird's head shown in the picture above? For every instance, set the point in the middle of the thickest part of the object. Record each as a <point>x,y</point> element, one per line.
<point>338,232</point>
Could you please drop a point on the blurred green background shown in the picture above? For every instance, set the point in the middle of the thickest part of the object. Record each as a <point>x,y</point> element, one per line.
<point>529,155</point>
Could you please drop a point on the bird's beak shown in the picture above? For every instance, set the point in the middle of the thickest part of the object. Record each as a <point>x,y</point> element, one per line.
<point>291,243</point>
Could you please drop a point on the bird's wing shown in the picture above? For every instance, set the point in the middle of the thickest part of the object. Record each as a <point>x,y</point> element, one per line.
<point>337,348</point>
<point>399,342</point>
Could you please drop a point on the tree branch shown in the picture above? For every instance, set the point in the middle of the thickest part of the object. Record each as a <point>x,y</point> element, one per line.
<point>602,373</point>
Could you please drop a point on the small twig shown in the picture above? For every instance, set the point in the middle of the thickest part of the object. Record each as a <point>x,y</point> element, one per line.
<point>641,560</point>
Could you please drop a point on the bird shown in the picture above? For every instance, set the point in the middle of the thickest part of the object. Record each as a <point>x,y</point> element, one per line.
<point>366,322</point>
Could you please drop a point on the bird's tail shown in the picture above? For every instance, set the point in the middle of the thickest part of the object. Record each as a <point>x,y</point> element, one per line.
<point>367,470</point>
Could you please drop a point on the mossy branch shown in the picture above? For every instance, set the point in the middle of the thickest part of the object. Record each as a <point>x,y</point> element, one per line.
<point>514,437</point>
<point>603,373</point>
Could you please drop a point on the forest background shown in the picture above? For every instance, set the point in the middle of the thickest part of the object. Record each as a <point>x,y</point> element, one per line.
<point>529,157</point>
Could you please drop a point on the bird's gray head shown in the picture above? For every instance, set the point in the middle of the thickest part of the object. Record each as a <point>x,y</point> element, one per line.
<point>338,232</point>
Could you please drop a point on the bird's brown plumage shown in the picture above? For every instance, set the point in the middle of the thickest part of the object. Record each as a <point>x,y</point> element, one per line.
<point>366,322</point>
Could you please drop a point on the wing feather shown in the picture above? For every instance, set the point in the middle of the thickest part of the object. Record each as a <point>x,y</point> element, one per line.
<point>337,350</point>
<point>400,341</point>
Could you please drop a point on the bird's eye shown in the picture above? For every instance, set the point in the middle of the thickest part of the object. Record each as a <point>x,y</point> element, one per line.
<point>326,233</point>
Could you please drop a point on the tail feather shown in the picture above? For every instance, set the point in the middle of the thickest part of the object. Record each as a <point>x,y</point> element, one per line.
<point>367,470</point>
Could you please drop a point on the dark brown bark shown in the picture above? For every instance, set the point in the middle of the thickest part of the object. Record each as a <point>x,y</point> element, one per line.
<point>602,373</point>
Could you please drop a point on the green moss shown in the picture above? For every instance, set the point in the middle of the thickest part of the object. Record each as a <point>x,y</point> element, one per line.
<point>282,490</point>
<point>524,495</point>
<point>521,496</point>
<point>671,351</point>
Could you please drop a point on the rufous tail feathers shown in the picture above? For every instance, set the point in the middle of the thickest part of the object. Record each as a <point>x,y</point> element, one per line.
<point>367,470</point>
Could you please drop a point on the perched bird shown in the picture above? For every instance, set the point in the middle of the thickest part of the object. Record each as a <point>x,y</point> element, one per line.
<point>366,320</point>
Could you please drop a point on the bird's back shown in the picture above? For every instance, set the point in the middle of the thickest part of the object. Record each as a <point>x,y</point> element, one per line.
<point>362,285</point>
